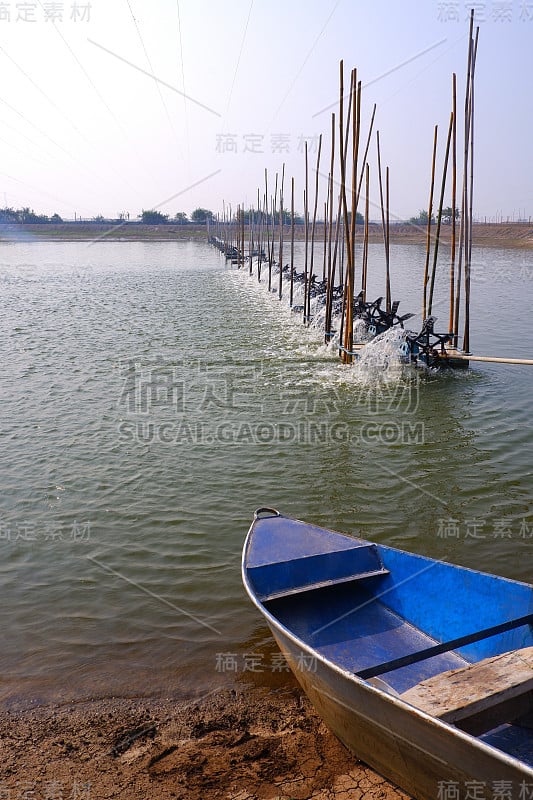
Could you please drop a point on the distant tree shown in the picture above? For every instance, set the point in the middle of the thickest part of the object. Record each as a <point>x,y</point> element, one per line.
<point>201,215</point>
<point>181,218</point>
<point>9,215</point>
<point>447,215</point>
<point>153,217</point>
<point>266,218</point>
<point>29,217</point>
<point>56,218</point>
<point>422,218</point>
<point>359,219</point>
<point>298,218</point>
<point>26,216</point>
<point>99,218</point>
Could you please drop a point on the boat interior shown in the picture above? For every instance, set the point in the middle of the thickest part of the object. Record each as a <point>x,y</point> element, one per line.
<point>399,620</point>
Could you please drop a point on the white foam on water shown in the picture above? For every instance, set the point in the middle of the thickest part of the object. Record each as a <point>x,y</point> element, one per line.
<point>377,363</point>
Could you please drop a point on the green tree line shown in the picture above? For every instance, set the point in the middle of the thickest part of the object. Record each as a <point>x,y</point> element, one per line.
<point>447,216</point>
<point>27,216</point>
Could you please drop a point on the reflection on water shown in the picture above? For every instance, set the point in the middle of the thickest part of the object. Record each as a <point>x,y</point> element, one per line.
<point>152,398</point>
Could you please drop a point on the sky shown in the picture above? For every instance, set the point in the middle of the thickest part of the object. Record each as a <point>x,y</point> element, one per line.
<point>115,106</point>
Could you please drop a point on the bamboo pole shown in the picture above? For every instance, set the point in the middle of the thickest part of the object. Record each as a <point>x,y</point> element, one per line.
<point>273,223</point>
<point>439,215</point>
<point>364,273</point>
<point>342,168</point>
<point>306,223</point>
<point>331,173</point>
<point>384,224</point>
<point>428,235</point>
<point>325,235</point>
<point>267,226</point>
<point>280,286</point>
<point>347,325</point>
<point>330,280</point>
<point>340,228</point>
<point>291,295</point>
<point>343,251</point>
<point>259,232</point>
<point>237,229</point>
<point>468,253</point>
<point>313,229</point>
<point>251,247</point>
<point>388,299</point>
<point>242,238</point>
<point>465,227</point>
<point>355,152</point>
<point>363,162</point>
<point>264,227</point>
<point>454,198</point>
<point>490,359</point>
<point>338,222</point>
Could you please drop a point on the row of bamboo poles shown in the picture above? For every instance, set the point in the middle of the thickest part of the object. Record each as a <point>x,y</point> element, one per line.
<point>252,235</point>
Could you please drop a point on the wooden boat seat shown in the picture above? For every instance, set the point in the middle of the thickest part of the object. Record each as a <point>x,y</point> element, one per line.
<point>481,696</point>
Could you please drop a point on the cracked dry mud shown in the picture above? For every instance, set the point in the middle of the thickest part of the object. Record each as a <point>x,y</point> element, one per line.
<point>237,745</point>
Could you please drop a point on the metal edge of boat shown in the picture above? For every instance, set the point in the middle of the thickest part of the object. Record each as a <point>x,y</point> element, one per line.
<point>369,721</point>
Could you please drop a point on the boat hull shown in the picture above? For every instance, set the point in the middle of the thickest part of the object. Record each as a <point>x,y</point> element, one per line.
<point>299,577</point>
<point>421,755</point>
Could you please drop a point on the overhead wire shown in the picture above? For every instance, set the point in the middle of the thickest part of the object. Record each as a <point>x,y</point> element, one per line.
<point>35,188</point>
<point>239,56</point>
<point>186,120</point>
<point>151,68</point>
<point>39,130</point>
<point>306,59</point>
<point>97,91</point>
<point>59,110</point>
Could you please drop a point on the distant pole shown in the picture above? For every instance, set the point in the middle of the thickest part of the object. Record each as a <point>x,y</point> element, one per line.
<point>465,226</point>
<point>260,232</point>
<point>306,218</point>
<point>313,228</point>
<point>329,272</point>
<point>363,162</point>
<point>331,173</point>
<point>243,258</point>
<point>251,245</point>
<point>280,286</point>
<point>428,232</point>
<point>364,273</point>
<point>267,228</point>
<point>468,254</point>
<point>273,221</point>
<point>439,215</point>
<point>454,199</point>
<point>384,223</point>
<point>291,296</point>
<point>348,302</point>
<point>325,239</point>
<point>388,299</point>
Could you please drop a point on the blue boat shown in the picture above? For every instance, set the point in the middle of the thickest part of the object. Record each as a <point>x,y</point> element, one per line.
<point>422,668</point>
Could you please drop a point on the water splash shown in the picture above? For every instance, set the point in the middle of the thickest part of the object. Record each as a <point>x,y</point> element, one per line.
<point>383,352</point>
<point>378,361</point>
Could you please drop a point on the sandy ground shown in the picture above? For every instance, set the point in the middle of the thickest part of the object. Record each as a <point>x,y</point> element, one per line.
<point>507,235</point>
<point>237,744</point>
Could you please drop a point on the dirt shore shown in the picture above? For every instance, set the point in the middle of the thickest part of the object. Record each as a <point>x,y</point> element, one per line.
<point>233,744</point>
<point>507,235</point>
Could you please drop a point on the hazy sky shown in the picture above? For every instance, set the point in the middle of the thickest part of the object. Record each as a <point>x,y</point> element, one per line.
<point>84,129</point>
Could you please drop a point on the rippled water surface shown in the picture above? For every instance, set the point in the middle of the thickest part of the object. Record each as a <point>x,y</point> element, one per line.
<point>152,397</point>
